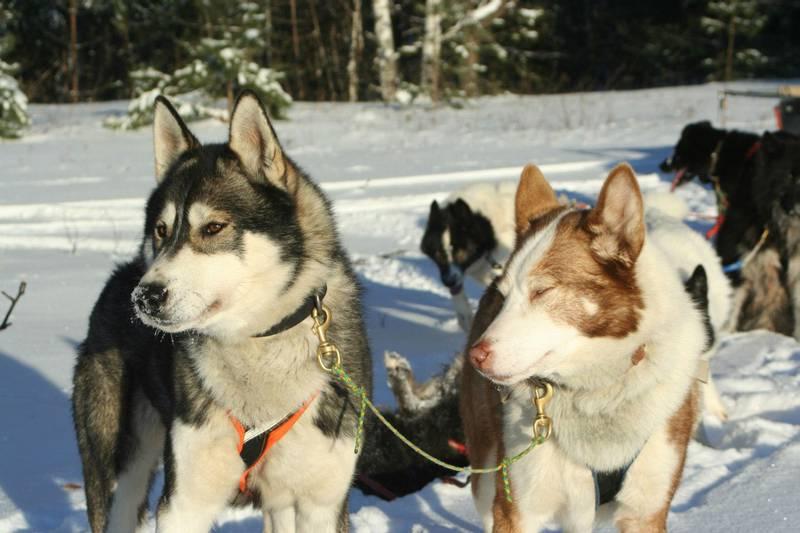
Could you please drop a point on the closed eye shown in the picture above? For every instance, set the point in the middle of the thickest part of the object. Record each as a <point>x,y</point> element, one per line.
<point>539,292</point>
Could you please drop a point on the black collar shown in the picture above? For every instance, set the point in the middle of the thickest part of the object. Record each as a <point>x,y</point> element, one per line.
<point>300,314</point>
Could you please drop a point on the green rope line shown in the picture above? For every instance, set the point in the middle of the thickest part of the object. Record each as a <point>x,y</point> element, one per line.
<point>356,389</point>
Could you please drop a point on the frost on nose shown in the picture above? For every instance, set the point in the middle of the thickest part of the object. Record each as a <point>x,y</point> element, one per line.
<point>150,298</point>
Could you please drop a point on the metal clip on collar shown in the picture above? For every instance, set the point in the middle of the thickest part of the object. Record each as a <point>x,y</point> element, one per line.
<point>328,354</point>
<point>543,424</point>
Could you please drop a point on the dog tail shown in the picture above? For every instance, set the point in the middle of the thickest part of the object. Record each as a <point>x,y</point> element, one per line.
<point>667,203</point>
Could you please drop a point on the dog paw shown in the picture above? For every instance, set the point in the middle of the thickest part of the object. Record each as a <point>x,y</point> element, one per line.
<point>397,366</point>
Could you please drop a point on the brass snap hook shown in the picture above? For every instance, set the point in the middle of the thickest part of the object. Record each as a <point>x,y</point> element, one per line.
<point>543,424</point>
<point>328,354</point>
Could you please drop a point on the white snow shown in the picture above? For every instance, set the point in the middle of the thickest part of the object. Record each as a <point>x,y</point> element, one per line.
<point>71,200</point>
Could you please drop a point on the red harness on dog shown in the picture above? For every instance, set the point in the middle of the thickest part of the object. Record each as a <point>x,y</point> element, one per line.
<point>253,450</point>
<point>722,200</point>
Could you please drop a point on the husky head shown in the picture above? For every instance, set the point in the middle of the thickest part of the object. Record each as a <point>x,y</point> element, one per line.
<point>455,237</point>
<point>569,289</point>
<point>691,157</point>
<point>222,238</point>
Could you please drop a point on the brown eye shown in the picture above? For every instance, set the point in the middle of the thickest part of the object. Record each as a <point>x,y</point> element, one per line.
<point>212,228</point>
<point>161,230</point>
<point>537,293</point>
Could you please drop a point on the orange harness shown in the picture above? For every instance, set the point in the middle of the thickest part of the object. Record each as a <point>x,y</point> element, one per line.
<point>253,450</point>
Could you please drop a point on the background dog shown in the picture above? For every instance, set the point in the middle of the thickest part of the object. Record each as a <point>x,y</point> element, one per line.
<point>757,237</point>
<point>724,158</point>
<point>471,234</point>
<point>238,243</point>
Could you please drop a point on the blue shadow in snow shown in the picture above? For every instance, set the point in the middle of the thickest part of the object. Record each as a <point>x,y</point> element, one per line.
<point>37,445</point>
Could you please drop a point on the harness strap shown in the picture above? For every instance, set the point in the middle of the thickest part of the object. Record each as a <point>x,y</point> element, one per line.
<point>722,198</point>
<point>740,264</point>
<point>711,233</point>
<point>608,484</point>
<point>753,150</point>
<point>253,448</point>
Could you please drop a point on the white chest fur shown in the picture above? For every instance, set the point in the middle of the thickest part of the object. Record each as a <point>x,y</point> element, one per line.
<point>262,379</point>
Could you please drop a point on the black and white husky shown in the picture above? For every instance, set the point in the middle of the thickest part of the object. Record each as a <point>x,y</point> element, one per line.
<point>201,349</point>
<point>471,234</point>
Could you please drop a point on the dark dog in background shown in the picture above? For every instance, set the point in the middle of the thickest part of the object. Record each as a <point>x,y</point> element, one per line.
<point>769,296</point>
<point>725,158</point>
<point>757,181</point>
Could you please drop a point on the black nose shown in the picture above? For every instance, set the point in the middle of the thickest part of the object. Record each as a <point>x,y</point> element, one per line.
<point>666,165</point>
<point>149,298</point>
<point>449,278</point>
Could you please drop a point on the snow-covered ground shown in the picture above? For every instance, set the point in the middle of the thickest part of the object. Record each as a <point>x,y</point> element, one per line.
<point>71,198</point>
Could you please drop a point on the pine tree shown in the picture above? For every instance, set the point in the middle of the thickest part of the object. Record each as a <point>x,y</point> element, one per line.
<point>13,102</point>
<point>223,65</point>
<point>732,18</point>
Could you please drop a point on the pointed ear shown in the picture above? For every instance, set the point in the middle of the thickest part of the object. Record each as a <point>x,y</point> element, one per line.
<point>617,221</point>
<point>255,142</point>
<point>534,198</point>
<point>171,137</point>
<point>697,286</point>
<point>461,208</point>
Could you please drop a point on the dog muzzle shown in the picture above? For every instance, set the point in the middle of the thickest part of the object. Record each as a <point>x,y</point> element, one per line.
<point>453,279</point>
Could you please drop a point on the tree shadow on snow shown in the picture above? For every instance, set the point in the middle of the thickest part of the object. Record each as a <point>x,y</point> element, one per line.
<point>38,453</point>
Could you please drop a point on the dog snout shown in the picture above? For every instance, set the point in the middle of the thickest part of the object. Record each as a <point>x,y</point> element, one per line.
<point>452,278</point>
<point>480,355</point>
<point>666,165</point>
<point>150,298</point>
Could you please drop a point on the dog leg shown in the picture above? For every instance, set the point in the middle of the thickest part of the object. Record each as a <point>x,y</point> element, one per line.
<point>129,503</point>
<point>413,397</point>
<point>793,284</point>
<point>282,520</point>
<point>463,310</point>
<point>203,470</point>
<point>712,402</point>
<point>400,378</point>
<point>312,518</point>
<point>654,476</point>
<point>482,486</point>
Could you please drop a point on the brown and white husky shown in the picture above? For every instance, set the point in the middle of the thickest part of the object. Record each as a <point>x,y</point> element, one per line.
<point>593,304</point>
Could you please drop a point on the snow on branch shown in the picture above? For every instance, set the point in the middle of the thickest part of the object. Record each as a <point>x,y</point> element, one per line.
<point>485,11</point>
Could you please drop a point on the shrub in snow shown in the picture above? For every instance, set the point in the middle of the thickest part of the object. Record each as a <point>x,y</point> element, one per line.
<point>13,104</point>
<point>195,88</point>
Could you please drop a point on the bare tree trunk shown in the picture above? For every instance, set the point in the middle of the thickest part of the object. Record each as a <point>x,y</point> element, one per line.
<point>230,98</point>
<point>296,49</point>
<point>73,48</point>
<point>470,78</point>
<point>324,66</point>
<point>268,32</point>
<point>387,57</point>
<point>729,53</point>
<point>356,49</point>
<point>432,50</point>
